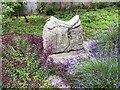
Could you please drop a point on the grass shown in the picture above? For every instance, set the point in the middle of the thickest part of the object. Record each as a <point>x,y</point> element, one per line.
<point>35,25</point>
<point>92,21</point>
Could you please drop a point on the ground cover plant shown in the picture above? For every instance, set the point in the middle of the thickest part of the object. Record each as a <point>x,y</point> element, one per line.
<point>101,68</point>
<point>21,65</point>
<point>25,64</point>
<point>19,25</point>
<point>98,73</point>
<point>92,21</point>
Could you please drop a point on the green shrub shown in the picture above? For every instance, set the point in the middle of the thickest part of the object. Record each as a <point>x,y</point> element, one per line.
<point>110,36</point>
<point>8,10</point>
<point>4,17</point>
<point>99,74</point>
<point>100,5</point>
<point>107,42</point>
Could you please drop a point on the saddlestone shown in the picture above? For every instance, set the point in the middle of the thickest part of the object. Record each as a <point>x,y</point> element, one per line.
<point>63,36</point>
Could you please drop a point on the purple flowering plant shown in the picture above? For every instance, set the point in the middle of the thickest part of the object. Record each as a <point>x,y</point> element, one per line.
<point>25,63</point>
<point>101,70</point>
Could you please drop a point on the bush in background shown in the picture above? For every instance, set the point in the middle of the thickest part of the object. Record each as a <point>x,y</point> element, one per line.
<point>8,10</point>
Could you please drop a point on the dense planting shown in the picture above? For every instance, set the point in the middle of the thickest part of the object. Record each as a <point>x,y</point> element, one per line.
<point>24,61</point>
<point>98,73</point>
<point>100,69</point>
<point>20,59</point>
<point>26,64</point>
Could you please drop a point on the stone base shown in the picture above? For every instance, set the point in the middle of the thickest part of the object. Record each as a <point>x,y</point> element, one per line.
<point>69,56</point>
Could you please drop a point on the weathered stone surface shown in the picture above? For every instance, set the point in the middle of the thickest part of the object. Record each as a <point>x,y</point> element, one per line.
<point>66,57</point>
<point>63,36</point>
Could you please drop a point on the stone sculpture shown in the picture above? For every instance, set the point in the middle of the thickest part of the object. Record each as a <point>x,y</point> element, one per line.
<point>63,36</point>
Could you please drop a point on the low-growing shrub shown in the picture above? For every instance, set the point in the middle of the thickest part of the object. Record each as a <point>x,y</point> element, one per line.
<point>24,61</point>
<point>25,64</point>
<point>100,20</point>
<point>99,74</point>
<point>101,69</point>
<point>105,44</point>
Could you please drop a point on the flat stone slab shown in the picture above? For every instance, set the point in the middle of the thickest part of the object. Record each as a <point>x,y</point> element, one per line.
<point>74,55</point>
<point>69,56</point>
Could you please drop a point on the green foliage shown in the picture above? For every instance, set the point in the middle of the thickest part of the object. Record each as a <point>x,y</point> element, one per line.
<point>109,39</point>
<point>50,11</point>
<point>99,74</point>
<point>43,9</point>
<point>35,25</point>
<point>100,20</point>
<point>100,5</point>
<point>110,36</point>
<point>24,70</point>
<point>92,21</point>
<point>11,7</point>
<point>8,9</point>
<point>94,73</point>
<point>4,17</point>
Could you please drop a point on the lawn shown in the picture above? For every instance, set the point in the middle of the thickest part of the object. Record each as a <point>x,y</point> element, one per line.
<point>35,25</point>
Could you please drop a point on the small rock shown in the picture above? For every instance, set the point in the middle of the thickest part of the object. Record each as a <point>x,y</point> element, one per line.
<point>70,57</point>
